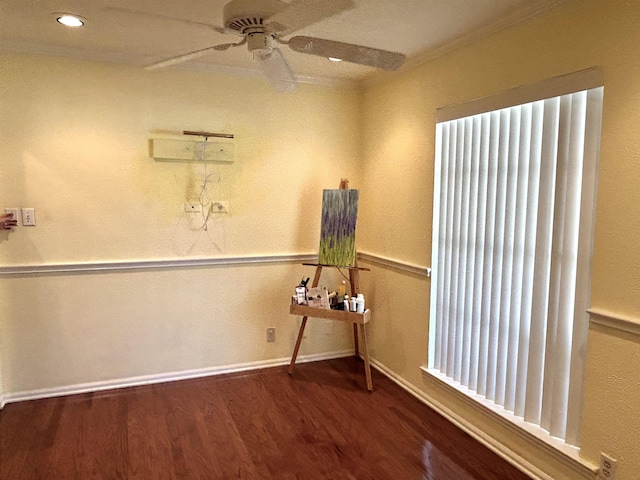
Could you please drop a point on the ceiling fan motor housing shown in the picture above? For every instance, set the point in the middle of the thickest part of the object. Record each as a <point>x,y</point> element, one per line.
<point>242,15</point>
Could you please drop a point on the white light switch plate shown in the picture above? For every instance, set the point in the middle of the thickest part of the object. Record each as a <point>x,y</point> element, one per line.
<point>15,211</point>
<point>28,217</point>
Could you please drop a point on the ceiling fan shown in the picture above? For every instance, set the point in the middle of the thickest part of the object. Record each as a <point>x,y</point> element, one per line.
<point>262,24</point>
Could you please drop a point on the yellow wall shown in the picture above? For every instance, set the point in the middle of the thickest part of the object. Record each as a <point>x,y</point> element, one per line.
<point>74,146</point>
<point>399,128</point>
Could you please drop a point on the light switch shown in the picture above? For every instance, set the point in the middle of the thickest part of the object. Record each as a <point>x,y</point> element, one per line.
<point>28,217</point>
<point>15,211</point>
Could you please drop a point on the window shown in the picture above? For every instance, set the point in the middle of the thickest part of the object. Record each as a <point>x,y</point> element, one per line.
<point>514,198</point>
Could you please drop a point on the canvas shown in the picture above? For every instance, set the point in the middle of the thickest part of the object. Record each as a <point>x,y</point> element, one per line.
<point>338,228</point>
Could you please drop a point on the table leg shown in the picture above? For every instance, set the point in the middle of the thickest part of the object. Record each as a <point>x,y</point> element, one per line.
<point>298,342</point>
<point>355,339</point>
<point>367,366</point>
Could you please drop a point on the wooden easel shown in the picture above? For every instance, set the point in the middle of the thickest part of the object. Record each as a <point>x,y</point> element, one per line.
<point>356,318</point>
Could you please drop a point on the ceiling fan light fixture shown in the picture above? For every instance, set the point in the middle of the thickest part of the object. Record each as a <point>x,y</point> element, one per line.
<point>69,20</point>
<point>259,43</point>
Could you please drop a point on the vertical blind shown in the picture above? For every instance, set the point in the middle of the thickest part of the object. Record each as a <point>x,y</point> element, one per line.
<point>513,221</point>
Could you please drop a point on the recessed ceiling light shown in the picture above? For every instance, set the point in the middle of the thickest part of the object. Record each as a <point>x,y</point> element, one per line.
<point>69,20</point>
<point>334,59</point>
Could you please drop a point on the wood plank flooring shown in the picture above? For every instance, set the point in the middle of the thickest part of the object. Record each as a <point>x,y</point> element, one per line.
<point>321,423</point>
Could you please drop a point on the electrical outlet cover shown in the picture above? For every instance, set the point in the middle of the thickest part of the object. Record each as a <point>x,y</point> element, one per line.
<point>271,335</point>
<point>607,467</point>
<point>220,206</point>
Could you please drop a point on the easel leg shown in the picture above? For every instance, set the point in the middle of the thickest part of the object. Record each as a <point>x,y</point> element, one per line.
<point>316,279</point>
<point>367,366</point>
<point>354,281</point>
<point>298,342</point>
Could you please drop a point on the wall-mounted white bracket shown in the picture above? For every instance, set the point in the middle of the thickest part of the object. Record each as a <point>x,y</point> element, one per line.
<point>187,148</point>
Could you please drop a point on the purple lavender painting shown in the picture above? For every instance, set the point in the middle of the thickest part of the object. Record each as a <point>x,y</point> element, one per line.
<point>338,228</point>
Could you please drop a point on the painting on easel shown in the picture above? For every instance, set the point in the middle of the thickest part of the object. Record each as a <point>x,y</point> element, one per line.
<point>338,228</point>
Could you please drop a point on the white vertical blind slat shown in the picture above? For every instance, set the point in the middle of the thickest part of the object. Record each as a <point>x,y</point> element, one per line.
<point>506,289</point>
<point>520,234</point>
<point>457,143</point>
<point>490,155</point>
<point>485,227</point>
<point>501,156</point>
<point>528,267</point>
<point>560,272</point>
<point>436,318</point>
<point>567,288</point>
<point>583,274</point>
<point>441,276</point>
<point>542,262</point>
<point>470,205</point>
<point>447,241</point>
<point>481,132</point>
<point>462,214</point>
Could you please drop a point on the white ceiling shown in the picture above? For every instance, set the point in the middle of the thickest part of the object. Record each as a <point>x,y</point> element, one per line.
<point>146,31</point>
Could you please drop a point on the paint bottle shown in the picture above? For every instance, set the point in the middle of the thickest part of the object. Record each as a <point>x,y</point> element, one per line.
<point>346,303</point>
<point>342,289</point>
<point>360,303</point>
<point>352,304</point>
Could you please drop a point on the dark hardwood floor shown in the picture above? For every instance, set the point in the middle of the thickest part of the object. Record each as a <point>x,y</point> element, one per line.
<point>319,424</point>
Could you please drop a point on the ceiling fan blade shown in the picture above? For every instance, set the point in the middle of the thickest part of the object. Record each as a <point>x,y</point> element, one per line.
<point>148,14</point>
<point>193,55</point>
<point>371,57</point>
<point>302,13</point>
<point>277,70</point>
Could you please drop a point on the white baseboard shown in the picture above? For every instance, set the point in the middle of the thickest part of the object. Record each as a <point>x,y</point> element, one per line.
<point>162,378</point>
<point>492,444</point>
